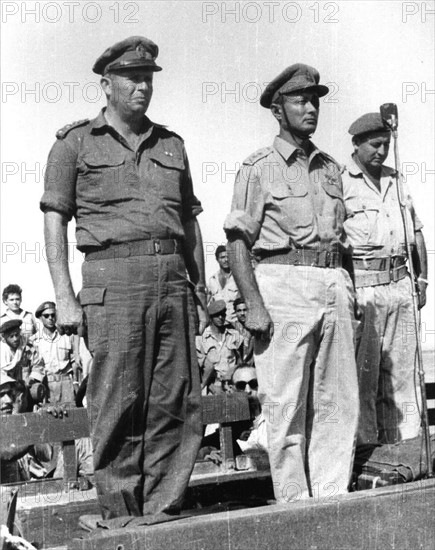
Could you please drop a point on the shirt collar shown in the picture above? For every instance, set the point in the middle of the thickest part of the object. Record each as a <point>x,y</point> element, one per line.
<point>100,123</point>
<point>355,170</point>
<point>286,149</point>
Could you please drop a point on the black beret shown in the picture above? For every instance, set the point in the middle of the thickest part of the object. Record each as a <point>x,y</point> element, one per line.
<point>133,52</point>
<point>294,78</point>
<point>43,307</point>
<point>12,324</point>
<point>370,122</point>
<point>216,307</point>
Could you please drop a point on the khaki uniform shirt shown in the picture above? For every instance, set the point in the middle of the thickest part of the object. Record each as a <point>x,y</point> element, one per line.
<point>284,200</point>
<point>53,353</point>
<point>116,194</point>
<point>374,224</point>
<point>221,353</point>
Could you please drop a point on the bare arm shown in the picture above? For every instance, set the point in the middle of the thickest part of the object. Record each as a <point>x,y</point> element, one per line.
<point>258,319</point>
<point>69,312</point>
<point>420,263</point>
<point>194,258</point>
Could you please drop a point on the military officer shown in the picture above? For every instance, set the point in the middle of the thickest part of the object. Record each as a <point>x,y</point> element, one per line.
<point>386,343</point>
<point>127,182</point>
<point>288,209</point>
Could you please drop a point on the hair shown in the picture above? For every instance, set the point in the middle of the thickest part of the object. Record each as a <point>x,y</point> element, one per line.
<point>237,302</point>
<point>11,289</point>
<point>221,248</point>
<point>241,366</point>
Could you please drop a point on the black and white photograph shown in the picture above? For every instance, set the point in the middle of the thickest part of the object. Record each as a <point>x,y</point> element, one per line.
<point>217,256</point>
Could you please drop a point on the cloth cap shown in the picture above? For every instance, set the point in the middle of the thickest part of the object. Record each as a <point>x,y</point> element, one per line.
<point>133,52</point>
<point>43,307</point>
<point>12,324</point>
<point>370,122</point>
<point>294,78</point>
<point>216,307</point>
<point>5,379</point>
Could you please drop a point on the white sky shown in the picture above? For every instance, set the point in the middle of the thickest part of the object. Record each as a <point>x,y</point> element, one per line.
<point>370,53</point>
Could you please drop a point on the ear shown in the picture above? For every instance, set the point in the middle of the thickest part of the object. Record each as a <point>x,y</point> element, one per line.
<point>106,85</point>
<point>276,110</point>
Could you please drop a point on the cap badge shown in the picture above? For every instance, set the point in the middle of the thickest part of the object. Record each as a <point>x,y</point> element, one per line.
<point>142,52</point>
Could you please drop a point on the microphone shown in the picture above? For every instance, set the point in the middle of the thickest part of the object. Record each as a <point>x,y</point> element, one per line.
<point>390,115</point>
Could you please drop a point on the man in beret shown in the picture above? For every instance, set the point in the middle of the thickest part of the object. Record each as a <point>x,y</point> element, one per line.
<point>386,343</point>
<point>288,210</point>
<point>127,182</point>
<point>218,350</point>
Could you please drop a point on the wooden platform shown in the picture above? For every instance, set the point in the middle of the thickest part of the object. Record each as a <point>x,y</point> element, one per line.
<point>396,518</point>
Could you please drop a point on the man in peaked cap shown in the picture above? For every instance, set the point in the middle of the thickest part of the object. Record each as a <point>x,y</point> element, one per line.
<point>386,344</point>
<point>127,182</point>
<point>288,210</point>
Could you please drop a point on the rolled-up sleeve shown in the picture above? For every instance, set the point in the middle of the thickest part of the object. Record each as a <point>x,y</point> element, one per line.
<point>60,180</point>
<point>247,206</point>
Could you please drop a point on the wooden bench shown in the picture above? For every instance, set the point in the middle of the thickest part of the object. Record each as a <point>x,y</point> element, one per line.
<point>32,428</point>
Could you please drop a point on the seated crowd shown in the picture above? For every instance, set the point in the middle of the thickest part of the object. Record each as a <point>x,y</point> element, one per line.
<point>41,368</point>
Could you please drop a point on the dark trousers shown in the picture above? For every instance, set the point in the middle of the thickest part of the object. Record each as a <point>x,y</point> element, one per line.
<point>144,401</point>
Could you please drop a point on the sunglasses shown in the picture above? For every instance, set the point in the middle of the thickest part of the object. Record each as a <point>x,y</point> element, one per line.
<point>48,315</point>
<point>253,384</point>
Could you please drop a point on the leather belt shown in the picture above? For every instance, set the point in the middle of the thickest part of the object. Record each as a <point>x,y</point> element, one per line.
<point>149,247</point>
<point>376,278</point>
<point>379,264</point>
<point>303,257</point>
<point>58,377</point>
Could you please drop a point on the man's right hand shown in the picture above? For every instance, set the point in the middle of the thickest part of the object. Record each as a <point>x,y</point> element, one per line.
<point>69,317</point>
<point>259,322</point>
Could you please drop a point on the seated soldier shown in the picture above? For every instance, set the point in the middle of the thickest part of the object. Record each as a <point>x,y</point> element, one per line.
<point>22,463</point>
<point>12,295</point>
<point>253,440</point>
<point>217,350</point>
<point>14,352</point>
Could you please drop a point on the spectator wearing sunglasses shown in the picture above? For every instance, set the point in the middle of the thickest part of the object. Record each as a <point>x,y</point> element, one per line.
<point>53,358</point>
<point>253,439</point>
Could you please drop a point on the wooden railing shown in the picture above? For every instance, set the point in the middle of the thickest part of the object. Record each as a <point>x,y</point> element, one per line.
<point>36,428</point>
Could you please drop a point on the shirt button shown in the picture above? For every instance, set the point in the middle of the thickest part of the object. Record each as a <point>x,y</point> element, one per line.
<point>391,232</point>
<point>388,215</point>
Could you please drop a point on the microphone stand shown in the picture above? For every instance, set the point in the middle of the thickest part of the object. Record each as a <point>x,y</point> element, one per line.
<point>392,123</point>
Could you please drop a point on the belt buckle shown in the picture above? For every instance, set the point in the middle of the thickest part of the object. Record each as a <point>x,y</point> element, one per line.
<point>157,247</point>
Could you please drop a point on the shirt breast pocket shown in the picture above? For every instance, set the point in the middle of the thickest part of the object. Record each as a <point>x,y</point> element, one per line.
<point>105,176</point>
<point>167,169</point>
<point>362,221</point>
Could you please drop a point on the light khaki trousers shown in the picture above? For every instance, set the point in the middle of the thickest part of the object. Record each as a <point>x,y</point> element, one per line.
<point>308,380</point>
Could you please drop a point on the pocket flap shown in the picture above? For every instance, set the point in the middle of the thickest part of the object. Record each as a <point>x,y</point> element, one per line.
<point>94,295</point>
<point>286,191</point>
<point>168,159</point>
<point>99,158</point>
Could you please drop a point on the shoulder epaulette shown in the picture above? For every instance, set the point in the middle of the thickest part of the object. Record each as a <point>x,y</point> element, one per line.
<point>166,129</point>
<point>63,132</point>
<point>255,157</point>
